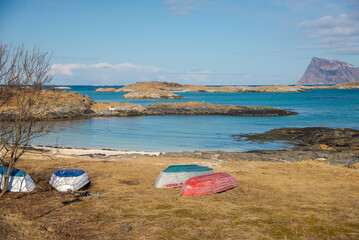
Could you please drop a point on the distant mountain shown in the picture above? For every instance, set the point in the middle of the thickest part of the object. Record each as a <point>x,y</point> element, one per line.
<point>323,71</point>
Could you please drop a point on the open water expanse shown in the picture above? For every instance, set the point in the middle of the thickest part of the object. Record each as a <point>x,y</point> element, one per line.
<point>330,108</point>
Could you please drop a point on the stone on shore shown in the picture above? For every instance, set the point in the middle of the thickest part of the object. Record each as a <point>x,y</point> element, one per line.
<point>152,94</point>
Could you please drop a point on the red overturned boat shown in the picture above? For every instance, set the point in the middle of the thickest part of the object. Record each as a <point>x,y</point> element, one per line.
<point>211,183</point>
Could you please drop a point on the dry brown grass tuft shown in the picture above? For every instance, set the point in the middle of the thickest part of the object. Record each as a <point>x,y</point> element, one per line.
<point>300,200</point>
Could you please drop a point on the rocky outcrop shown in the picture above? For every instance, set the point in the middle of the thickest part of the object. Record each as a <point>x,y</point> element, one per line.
<point>144,86</point>
<point>320,138</point>
<point>152,94</point>
<point>200,108</point>
<point>54,105</point>
<point>67,105</point>
<point>323,71</point>
<point>106,90</point>
<point>318,144</point>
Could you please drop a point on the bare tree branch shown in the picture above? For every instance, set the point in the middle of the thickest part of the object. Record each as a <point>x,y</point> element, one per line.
<point>23,102</point>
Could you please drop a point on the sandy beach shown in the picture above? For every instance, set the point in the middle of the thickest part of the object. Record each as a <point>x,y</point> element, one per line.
<point>82,151</point>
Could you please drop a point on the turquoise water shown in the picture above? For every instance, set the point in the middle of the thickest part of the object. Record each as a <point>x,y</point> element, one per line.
<point>331,108</point>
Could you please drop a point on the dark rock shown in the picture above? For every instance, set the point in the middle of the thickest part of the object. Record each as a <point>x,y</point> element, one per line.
<point>339,139</point>
<point>323,71</point>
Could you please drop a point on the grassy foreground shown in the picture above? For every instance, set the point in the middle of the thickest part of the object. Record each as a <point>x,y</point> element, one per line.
<point>300,200</point>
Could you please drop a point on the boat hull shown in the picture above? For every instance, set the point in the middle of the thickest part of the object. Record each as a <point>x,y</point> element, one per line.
<point>69,180</point>
<point>171,180</point>
<point>177,175</point>
<point>19,181</point>
<point>206,184</point>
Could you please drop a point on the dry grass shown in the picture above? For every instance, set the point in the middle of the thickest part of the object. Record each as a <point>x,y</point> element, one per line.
<point>300,200</point>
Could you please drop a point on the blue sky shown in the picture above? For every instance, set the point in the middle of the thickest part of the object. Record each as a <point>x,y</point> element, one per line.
<point>186,41</point>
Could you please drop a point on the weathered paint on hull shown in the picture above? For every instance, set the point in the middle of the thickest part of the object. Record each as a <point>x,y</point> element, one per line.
<point>211,183</point>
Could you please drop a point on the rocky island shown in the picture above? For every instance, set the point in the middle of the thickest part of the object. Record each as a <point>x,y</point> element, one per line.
<point>323,71</point>
<point>152,94</point>
<point>106,90</point>
<point>168,86</point>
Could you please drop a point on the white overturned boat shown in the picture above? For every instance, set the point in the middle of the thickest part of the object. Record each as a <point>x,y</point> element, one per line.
<point>19,180</point>
<point>177,175</point>
<point>69,180</point>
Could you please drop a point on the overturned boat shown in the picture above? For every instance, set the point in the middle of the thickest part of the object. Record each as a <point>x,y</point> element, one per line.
<point>211,183</point>
<point>19,180</point>
<point>66,180</point>
<point>176,175</point>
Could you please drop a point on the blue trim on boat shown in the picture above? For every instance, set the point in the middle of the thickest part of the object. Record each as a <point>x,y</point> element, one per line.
<point>187,168</point>
<point>69,173</point>
<point>14,173</point>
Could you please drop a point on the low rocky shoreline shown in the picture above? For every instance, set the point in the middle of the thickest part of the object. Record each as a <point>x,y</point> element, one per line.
<point>186,109</point>
<point>169,86</point>
<point>143,90</point>
<point>70,105</point>
<point>335,146</point>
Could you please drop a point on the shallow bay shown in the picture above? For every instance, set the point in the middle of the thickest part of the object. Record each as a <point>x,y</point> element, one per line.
<point>327,107</point>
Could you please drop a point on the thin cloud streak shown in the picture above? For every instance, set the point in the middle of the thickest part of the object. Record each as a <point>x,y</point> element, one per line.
<point>67,69</point>
<point>126,73</point>
<point>181,7</point>
<point>339,35</point>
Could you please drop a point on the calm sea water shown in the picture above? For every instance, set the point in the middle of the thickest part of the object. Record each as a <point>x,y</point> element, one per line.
<point>331,108</point>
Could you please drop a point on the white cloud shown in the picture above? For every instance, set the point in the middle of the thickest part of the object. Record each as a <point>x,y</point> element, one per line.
<point>124,73</point>
<point>337,34</point>
<point>67,69</point>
